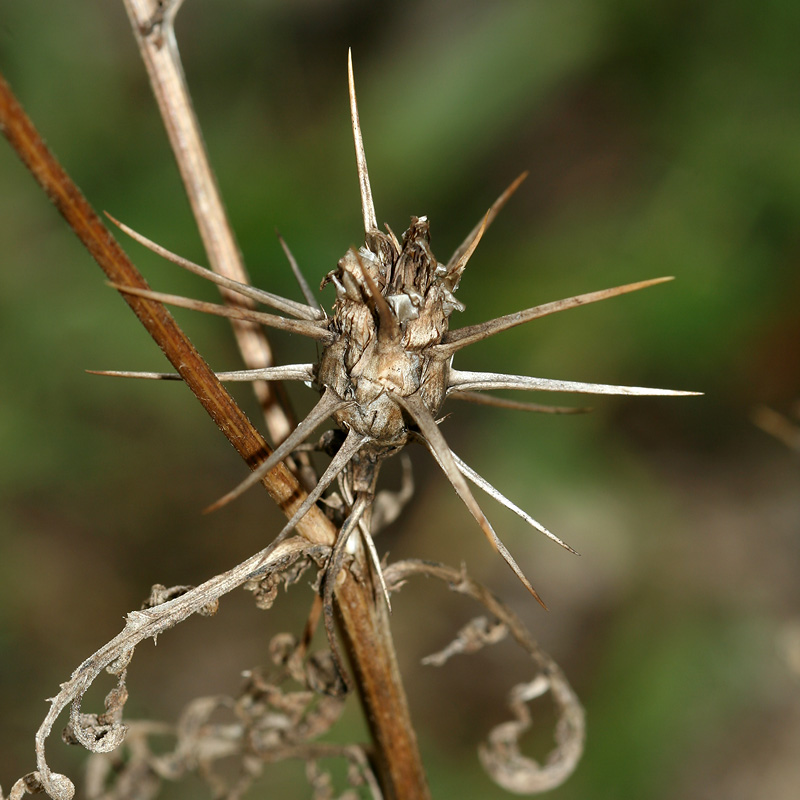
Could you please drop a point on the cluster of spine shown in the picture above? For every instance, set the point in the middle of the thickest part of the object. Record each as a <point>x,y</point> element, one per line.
<point>386,363</point>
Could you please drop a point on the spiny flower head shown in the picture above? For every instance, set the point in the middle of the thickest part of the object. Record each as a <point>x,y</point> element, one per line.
<point>385,367</point>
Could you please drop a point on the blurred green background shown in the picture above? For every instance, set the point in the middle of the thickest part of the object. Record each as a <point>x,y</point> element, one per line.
<point>662,138</point>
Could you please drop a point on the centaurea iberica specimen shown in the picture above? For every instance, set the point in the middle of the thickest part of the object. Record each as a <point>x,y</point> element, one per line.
<point>386,363</point>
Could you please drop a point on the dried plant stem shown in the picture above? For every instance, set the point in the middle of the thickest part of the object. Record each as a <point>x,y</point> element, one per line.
<point>368,633</point>
<point>366,628</point>
<point>160,324</point>
<point>152,23</point>
<point>141,625</point>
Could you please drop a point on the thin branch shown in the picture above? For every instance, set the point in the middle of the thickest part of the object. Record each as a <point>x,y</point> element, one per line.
<point>160,324</point>
<point>152,22</point>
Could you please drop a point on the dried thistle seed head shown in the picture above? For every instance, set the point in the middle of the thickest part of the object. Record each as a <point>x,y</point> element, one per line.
<point>392,303</point>
<point>386,362</point>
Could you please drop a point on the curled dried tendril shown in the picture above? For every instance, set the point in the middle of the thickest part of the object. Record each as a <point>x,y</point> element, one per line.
<point>60,786</point>
<point>101,733</point>
<point>104,732</point>
<point>268,722</point>
<point>500,754</point>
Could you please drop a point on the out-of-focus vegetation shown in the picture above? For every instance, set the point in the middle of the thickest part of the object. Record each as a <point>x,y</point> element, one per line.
<point>661,137</point>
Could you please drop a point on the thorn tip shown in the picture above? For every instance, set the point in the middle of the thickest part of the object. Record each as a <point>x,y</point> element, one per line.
<point>367,205</point>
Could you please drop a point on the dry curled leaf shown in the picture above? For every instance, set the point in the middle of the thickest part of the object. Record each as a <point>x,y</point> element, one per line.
<point>500,754</point>
<point>265,588</point>
<point>101,733</point>
<point>476,634</point>
<point>265,723</point>
<point>32,784</point>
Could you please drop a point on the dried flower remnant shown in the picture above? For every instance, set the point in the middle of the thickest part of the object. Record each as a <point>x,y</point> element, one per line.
<point>385,368</point>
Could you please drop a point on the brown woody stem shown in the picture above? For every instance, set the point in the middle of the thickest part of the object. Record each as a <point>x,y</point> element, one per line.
<point>160,324</point>
<point>365,621</point>
<point>369,639</point>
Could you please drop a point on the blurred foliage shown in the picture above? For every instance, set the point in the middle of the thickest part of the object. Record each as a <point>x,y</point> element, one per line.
<point>661,137</point>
